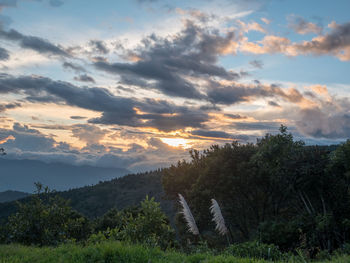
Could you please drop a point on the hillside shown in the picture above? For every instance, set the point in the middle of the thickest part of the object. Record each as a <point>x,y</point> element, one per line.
<point>20,175</point>
<point>8,196</point>
<point>94,201</point>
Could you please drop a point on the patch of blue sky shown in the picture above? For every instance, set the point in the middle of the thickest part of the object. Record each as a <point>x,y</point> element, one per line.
<point>303,69</point>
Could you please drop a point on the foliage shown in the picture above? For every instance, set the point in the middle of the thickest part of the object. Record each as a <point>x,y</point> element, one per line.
<point>256,250</point>
<point>115,218</point>
<point>147,225</point>
<point>46,220</point>
<point>277,190</point>
<point>109,252</point>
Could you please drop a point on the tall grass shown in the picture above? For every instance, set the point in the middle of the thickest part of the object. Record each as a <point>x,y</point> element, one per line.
<point>186,211</point>
<point>218,218</point>
<point>109,252</point>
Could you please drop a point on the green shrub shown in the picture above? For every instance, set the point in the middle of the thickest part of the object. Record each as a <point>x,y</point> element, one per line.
<point>148,226</point>
<point>46,220</point>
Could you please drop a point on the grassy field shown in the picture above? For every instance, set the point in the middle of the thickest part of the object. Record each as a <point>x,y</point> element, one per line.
<point>118,252</point>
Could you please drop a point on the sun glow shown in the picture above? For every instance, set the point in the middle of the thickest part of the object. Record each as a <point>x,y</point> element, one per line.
<point>176,142</point>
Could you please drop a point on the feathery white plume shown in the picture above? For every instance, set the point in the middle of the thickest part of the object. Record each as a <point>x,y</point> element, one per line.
<point>191,223</point>
<point>218,218</point>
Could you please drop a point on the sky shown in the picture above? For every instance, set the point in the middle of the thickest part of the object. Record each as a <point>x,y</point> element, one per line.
<point>136,84</point>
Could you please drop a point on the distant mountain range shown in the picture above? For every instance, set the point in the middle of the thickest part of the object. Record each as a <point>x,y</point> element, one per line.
<point>94,201</point>
<point>20,175</point>
<point>9,196</point>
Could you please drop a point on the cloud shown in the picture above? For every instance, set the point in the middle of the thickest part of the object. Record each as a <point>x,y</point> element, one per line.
<point>256,126</point>
<point>78,117</point>
<point>4,107</point>
<point>273,103</point>
<point>89,134</point>
<point>23,142</point>
<point>301,26</point>
<point>236,93</point>
<point>37,44</point>
<point>234,116</point>
<point>322,124</point>
<point>159,114</point>
<point>26,139</point>
<point>257,64</point>
<point>84,78</point>
<point>212,134</point>
<point>252,26</point>
<point>171,65</point>
<point>4,54</point>
<point>73,66</point>
<point>265,20</point>
<point>269,44</point>
<point>335,43</point>
<point>99,46</point>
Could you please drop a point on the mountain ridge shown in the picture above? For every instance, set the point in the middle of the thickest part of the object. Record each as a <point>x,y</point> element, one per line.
<point>58,176</point>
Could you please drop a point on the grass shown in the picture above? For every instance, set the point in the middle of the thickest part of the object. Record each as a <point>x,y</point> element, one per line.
<point>117,252</point>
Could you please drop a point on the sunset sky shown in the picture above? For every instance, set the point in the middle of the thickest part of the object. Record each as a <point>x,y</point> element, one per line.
<point>137,83</point>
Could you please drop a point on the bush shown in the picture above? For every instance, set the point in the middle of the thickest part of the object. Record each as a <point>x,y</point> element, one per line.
<point>255,250</point>
<point>285,235</point>
<point>46,220</point>
<point>148,226</point>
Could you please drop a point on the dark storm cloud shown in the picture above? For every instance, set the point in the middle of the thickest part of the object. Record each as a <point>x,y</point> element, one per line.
<point>4,54</point>
<point>99,46</point>
<point>37,44</point>
<point>170,62</point>
<point>159,114</point>
<point>84,78</point>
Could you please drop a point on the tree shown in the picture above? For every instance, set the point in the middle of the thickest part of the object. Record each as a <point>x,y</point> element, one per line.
<point>46,219</point>
<point>150,226</point>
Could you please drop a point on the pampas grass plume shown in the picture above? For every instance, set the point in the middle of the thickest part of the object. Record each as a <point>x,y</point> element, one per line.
<point>218,218</point>
<point>191,223</point>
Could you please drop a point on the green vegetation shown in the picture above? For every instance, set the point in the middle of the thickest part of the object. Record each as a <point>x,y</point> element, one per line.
<point>274,200</point>
<point>122,252</point>
<point>45,220</point>
<point>277,191</point>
